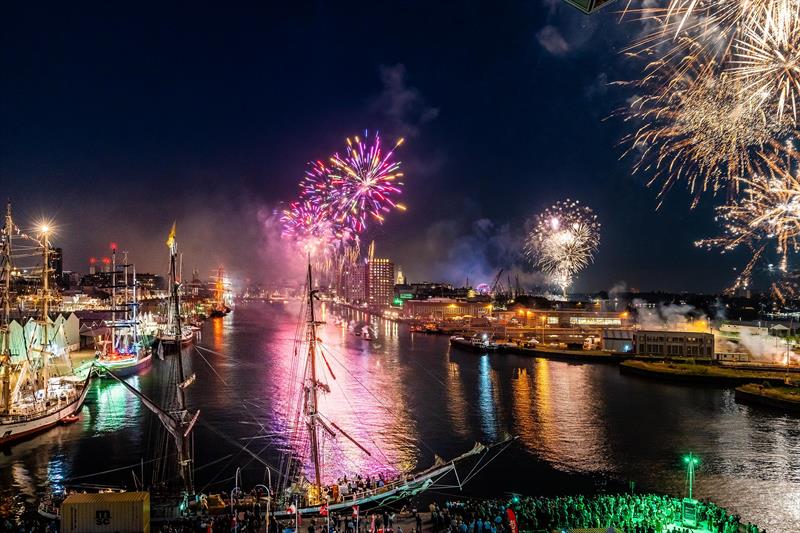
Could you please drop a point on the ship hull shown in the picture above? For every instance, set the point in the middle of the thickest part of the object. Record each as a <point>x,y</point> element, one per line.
<point>377,497</point>
<point>129,370</point>
<point>17,428</point>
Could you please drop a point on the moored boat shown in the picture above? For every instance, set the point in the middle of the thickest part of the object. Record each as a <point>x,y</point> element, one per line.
<point>123,350</point>
<point>33,400</point>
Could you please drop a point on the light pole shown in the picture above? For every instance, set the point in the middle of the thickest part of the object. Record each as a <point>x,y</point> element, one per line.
<point>689,505</point>
<point>691,461</point>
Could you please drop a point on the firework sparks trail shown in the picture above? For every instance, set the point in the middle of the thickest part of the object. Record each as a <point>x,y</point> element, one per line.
<point>766,58</point>
<point>335,199</point>
<point>671,31</point>
<point>696,127</point>
<point>365,181</point>
<point>563,241</point>
<point>767,213</point>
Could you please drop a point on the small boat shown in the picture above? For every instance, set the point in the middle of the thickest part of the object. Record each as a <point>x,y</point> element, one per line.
<point>50,507</point>
<point>71,419</point>
<point>368,334</point>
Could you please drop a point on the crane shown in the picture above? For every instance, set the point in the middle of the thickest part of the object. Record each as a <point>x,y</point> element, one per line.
<point>496,281</point>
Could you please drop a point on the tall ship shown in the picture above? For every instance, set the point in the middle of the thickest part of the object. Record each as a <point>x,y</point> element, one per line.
<point>220,305</point>
<point>172,334</point>
<point>304,487</point>
<point>35,395</point>
<point>124,350</point>
<point>173,478</point>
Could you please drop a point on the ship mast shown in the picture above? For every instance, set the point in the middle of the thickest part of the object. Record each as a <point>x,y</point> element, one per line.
<point>182,414</point>
<point>311,405</point>
<point>5,351</point>
<point>45,230</point>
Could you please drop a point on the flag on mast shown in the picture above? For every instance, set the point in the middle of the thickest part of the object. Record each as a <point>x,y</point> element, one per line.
<point>323,511</point>
<point>355,511</point>
<point>171,238</point>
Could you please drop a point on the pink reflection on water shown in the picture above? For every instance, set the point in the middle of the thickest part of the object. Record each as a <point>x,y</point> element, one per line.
<point>366,400</point>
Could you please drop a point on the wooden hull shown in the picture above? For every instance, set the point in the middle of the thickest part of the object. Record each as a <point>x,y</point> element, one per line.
<point>13,428</point>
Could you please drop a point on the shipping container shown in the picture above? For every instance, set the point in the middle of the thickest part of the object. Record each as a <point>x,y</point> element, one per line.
<point>110,512</point>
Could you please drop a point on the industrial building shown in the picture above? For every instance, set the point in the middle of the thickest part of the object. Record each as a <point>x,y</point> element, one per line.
<point>674,343</point>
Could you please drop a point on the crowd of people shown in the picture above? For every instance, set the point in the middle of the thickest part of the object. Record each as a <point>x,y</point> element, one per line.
<point>345,486</point>
<point>631,513</point>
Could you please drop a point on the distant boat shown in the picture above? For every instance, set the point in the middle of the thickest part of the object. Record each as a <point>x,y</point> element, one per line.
<point>173,334</point>
<point>219,305</point>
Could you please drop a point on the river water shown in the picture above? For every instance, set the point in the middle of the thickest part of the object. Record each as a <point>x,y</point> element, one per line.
<point>404,397</point>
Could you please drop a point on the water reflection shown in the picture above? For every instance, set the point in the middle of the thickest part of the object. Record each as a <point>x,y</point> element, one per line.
<point>113,408</point>
<point>568,414</point>
<point>486,402</point>
<point>410,395</point>
<point>457,405</point>
<point>359,403</point>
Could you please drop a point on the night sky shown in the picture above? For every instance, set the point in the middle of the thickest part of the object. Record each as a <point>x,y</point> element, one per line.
<point>116,120</point>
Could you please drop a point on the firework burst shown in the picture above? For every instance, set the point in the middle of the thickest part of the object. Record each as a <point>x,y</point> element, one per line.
<point>766,214</point>
<point>563,241</point>
<point>365,181</point>
<point>766,58</point>
<point>309,225</point>
<point>697,127</point>
<point>336,197</point>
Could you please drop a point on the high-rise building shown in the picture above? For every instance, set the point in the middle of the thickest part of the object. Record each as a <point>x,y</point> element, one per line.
<point>354,282</point>
<point>56,262</point>
<point>380,282</point>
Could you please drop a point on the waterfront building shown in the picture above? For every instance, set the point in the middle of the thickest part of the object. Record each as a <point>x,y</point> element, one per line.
<point>423,291</point>
<point>577,317</point>
<point>674,343</point>
<point>617,340</point>
<point>445,309</point>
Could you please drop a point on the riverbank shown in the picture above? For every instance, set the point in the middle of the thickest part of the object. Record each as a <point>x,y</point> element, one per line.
<point>784,398</point>
<point>708,374</point>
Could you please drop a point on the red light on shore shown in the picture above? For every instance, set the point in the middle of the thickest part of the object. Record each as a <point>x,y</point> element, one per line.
<point>113,246</point>
<point>92,260</point>
<point>106,261</point>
